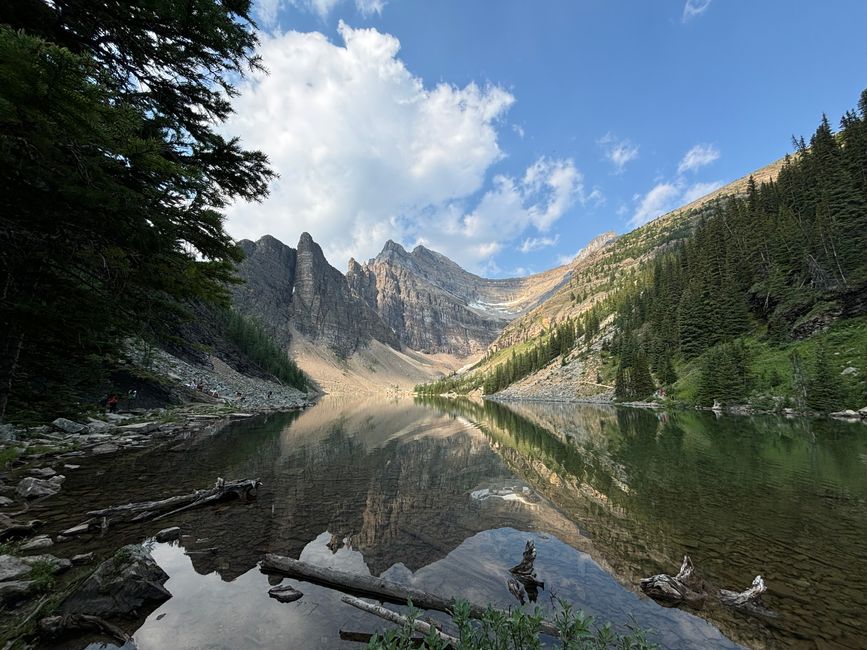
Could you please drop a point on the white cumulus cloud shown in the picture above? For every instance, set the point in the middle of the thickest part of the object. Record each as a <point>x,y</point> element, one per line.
<point>693,8</point>
<point>697,157</point>
<point>618,151</point>
<point>367,152</point>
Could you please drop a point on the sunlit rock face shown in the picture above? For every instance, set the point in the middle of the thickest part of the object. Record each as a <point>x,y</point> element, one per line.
<point>419,300</point>
<point>433,305</point>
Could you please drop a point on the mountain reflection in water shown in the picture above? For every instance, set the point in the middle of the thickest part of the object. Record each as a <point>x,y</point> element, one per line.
<point>443,496</point>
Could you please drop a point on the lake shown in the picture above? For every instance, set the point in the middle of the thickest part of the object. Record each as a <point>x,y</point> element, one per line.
<point>443,495</point>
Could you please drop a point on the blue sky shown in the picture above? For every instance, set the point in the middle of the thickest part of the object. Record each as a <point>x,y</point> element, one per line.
<point>507,134</point>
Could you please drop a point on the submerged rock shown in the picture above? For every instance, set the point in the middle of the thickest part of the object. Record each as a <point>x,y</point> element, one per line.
<point>42,472</point>
<point>285,594</point>
<point>168,534</point>
<point>41,541</point>
<point>83,558</point>
<point>105,448</point>
<point>57,564</point>
<point>15,590</point>
<point>33,488</point>
<point>12,568</point>
<point>123,584</point>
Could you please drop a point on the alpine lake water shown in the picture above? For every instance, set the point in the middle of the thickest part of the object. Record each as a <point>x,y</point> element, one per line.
<point>443,495</point>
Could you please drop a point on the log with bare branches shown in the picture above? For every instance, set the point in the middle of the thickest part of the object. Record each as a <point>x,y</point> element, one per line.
<point>153,510</point>
<point>399,619</point>
<point>371,586</point>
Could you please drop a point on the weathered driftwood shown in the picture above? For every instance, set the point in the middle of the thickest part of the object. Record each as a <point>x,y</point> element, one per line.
<point>372,586</point>
<point>399,619</point>
<point>525,567</point>
<point>739,599</point>
<point>154,510</point>
<point>57,626</point>
<point>684,588</point>
<point>525,573</point>
<point>517,590</point>
<point>749,600</point>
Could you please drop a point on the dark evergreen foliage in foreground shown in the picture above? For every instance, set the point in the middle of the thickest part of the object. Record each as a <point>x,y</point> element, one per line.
<point>113,175</point>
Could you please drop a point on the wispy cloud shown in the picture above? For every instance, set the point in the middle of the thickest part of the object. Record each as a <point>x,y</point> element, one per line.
<point>618,151</point>
<point>518,129</point>
<point>697,157</point>
<point>538,243</point>
<point>370,7</point>
<point>694,8</point>
<point>659,200</point>
<point>667,196</point>
<point>267,11</point>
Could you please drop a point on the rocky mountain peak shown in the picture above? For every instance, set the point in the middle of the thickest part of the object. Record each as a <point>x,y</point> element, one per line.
<point>595,244</point>
<point>287,289</point>
<point>392,248</point>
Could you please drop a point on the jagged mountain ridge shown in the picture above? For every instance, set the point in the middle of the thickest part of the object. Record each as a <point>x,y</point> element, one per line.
<point>290,289</point>
<point>433,305</point>
<point>419,300</point>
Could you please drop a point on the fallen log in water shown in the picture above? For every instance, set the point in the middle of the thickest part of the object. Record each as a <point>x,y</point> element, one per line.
<point>371,586</point>
<point>686,587</point>
<point>154,510</point>
<point>393,617</point>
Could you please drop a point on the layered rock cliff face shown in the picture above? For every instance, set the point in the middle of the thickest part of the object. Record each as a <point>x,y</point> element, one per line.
<point>298,289</point>
<point>433,305</point>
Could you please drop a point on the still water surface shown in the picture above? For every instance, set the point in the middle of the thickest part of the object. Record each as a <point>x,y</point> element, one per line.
<point>443,495</point>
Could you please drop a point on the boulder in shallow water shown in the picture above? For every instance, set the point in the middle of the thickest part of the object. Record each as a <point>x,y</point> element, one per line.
<point>285,594</point>
<point>105,448</point>
<point>13,590</point>
<point>57,564</point>
<point>130,582</point>
<point>83,558</point>
<point>168,534</point>
<point>41,541</point>
<point>12,568</point>
<point>33,488</point>
<point>67,426</point>
<point>42,472</point>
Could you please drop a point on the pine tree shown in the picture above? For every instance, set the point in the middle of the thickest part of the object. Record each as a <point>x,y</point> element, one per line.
<point>824,387</point>
<point>114,173</point>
